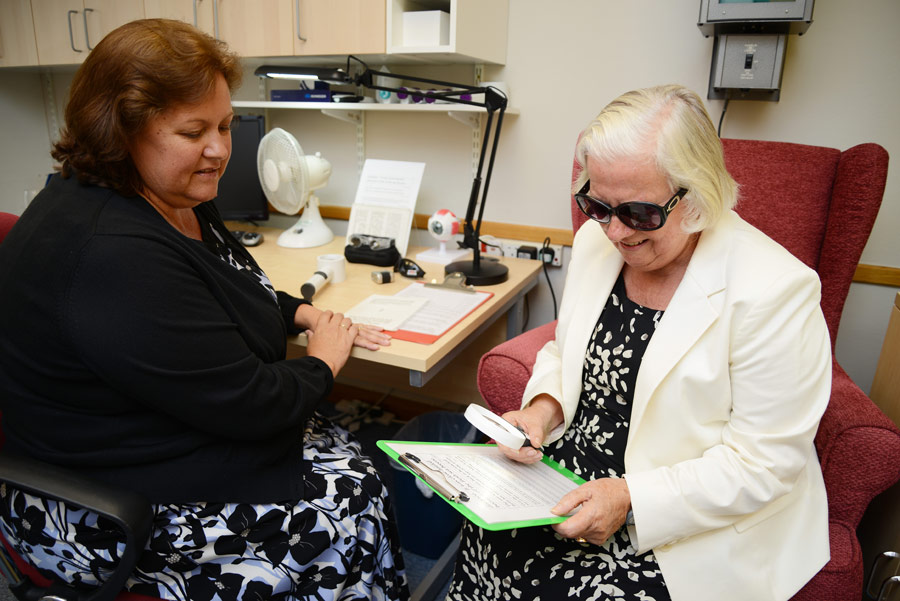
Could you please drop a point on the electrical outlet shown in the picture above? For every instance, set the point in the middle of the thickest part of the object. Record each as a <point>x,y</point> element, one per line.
<point>557,254</point>
<point>510,248</point>
<point>491,246</point>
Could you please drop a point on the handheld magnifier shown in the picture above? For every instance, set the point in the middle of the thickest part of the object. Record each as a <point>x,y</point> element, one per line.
<point>496,427</point>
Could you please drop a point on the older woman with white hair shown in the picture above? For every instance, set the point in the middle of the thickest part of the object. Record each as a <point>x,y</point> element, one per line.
<point>689,372</point>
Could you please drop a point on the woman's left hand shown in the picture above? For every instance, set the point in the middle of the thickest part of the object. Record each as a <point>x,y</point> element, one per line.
<point>604,508</point>
<point>371,337</point>
<point>368,337</point>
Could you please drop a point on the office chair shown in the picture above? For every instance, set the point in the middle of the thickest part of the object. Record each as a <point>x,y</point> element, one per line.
<point>127,510</point>
<point>838,194</point>
<point>7,220</point>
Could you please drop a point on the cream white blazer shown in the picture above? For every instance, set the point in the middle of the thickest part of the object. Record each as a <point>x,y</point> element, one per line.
<point>725,483</point>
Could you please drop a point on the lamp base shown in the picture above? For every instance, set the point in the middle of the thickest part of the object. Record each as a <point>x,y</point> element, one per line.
<point>488,273</point>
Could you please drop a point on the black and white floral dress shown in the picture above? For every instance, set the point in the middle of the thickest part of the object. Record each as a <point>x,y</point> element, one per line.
<point>337,543</point>
<point>538,564</point>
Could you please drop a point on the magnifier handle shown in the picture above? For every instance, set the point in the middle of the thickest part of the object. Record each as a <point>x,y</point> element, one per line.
<point>527,442</point>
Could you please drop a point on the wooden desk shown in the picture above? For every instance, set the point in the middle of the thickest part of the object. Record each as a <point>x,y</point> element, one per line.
<point>886,384</point>
<point>288,268</point>
<point>879,529</point>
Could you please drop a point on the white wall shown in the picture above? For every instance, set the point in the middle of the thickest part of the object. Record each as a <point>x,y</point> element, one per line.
<point>24,142</point>
<point>566,59</point>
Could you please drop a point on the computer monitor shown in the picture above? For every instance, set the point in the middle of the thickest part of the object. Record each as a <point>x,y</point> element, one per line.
<point>241,196</point>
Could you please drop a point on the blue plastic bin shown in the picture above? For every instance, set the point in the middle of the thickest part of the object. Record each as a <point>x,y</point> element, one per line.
<point>427,525</point>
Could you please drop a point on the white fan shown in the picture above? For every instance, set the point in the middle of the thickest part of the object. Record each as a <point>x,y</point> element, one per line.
<point>288,178</point>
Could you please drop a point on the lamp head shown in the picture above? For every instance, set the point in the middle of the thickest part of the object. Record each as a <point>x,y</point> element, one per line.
<point>332,76</point>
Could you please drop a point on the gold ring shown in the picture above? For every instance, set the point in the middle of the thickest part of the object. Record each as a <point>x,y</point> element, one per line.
<point>581,539</point>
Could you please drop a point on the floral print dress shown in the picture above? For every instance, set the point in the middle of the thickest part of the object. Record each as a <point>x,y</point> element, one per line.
<point>336,543</point>
<point>538,564</point>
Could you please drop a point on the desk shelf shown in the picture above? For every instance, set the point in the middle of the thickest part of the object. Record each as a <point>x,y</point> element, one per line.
<point>354,112</point>
<point>365,106</point>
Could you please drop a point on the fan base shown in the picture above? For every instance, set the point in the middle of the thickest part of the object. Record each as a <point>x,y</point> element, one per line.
<point>305,234</point>
<point>489,272</point>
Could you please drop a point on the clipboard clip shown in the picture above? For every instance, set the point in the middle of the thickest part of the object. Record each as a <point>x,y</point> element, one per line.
<point>414,463</point>
<point>455,281</point>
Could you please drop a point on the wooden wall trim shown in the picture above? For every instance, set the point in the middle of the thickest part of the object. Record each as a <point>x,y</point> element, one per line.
<point>865,274</point>
<point>877,274</point>
<point>527,233</point>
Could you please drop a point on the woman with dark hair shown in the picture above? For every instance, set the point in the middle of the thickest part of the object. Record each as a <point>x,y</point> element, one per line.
<point>144,347</point>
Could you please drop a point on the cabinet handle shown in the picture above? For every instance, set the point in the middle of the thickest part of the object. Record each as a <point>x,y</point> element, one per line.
<point>71,35</point>
<point>87,37</point>
<point>297,7</point>
<point>195,13</point>
<point>216,18</point>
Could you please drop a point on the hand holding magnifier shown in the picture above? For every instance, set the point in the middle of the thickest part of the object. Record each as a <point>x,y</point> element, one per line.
<point>496,427</point>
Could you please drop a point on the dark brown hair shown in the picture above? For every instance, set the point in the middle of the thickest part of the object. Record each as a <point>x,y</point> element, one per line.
<point>135,73</point>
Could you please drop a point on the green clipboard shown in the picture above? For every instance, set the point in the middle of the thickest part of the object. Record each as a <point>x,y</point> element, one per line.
<point>469,507</point>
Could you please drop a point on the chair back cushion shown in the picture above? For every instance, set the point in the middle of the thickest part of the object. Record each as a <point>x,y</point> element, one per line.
<point>819,203</point>
<point>7,220</point>
<point>785,190</point>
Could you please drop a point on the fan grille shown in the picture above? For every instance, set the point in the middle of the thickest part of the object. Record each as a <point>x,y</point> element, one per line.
<point>284,156</point>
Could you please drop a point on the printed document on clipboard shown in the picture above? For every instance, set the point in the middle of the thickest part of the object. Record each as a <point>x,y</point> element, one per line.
<point>418,313</point>
<point>442,310</point>
<point>481,483</point>
<point>386,200</point>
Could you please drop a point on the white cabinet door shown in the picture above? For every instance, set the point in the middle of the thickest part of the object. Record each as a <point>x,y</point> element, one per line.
<point>339,27</point>
<point>17,46</point>
<point>198,13</point>
<point>257,28</point>
<point>66,30</point>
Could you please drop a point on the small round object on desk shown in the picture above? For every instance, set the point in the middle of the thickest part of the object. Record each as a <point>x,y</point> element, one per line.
<point>251,238</point>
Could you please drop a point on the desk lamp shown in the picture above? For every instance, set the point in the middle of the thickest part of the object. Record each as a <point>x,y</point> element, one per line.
<point>477,272</point>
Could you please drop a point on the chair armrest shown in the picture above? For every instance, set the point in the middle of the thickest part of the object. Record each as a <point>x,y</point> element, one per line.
<point>504,371</point>
<point>859,449</point>
<point>128,510</point>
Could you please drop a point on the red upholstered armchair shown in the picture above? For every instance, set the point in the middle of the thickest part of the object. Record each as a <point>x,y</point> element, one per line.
<point>820,204</point>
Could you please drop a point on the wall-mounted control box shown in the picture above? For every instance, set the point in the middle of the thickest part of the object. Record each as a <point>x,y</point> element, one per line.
<point>751,62</point>
<point>750,43</point>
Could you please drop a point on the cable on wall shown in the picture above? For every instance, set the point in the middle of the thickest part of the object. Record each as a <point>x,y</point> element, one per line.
<point>547,275</point>
<point>722,117</point>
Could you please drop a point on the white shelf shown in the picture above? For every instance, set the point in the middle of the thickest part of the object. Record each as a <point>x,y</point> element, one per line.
<point>351,112</point>
<point>365,106</point>
<point>478,31</point>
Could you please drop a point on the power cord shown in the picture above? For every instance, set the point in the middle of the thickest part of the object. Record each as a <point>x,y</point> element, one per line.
<point>527,311</point>
<point>547,274</point>
<point>722,117</point>
<point>482,241</point>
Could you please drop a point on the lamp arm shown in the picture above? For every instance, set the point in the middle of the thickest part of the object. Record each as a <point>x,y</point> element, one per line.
<point>449,96</point>
<point>472,231</point>
<point>366,78</point>
<point>493,98</point>
<point>494,101</point>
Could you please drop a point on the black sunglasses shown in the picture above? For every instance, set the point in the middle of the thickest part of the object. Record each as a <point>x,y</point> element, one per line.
<point>642,216</point>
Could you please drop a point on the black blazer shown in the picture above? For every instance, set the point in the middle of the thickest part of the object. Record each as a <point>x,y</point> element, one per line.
<point>136,355</point>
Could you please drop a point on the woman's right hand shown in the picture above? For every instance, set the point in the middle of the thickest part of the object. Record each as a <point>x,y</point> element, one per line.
<point>331,339</point>
<point>537,420</point>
